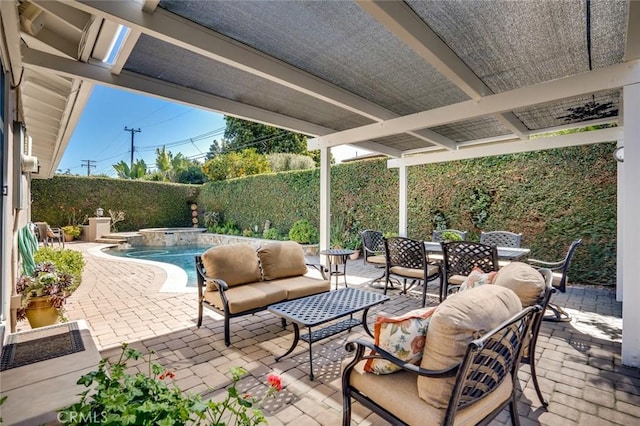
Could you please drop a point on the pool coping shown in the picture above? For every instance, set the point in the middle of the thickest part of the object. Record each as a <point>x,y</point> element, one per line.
<point>176,281</point>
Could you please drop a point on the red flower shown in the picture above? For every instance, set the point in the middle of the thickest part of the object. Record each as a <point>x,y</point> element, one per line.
<point>274,381</point>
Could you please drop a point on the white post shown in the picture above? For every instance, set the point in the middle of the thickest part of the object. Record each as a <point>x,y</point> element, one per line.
<point>631,226</point>
<point>620,229</point>
<point>325,205</point>
<point>402,201</point>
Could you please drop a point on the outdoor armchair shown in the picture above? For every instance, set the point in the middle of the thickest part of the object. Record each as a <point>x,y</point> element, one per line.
<point>501,238</point>
<point>48,235</point>
<point>373,248</point>
<point>461,257</point>
<point>467,374</point>
<point>560,278</point>
<point>406,259</point>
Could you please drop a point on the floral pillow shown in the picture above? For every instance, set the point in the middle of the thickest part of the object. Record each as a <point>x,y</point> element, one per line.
<point>402,336</point>
<point>476,278</point>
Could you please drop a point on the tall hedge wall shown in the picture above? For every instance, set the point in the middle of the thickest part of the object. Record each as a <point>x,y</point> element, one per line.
<point>146,204</point>
<point>552,197</point>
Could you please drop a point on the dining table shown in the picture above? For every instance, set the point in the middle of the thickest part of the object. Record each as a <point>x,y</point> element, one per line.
<point>504,253</point>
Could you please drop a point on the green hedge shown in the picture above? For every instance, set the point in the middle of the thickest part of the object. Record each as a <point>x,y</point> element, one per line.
<point>552,197</point>
<point>146,204</point>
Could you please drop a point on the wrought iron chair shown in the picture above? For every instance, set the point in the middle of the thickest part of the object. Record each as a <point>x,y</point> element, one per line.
<point>373,249</point>
<point>501,238</point>
<point>406,259</point>
<point>437,235</point>
<point>48,235</point>
<point>459,259</point>
<point>529,351</point>
<point>489,363</point>
<point>560,279</point>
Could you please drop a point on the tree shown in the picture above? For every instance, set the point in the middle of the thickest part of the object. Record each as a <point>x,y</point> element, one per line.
<point>236,164</point>
<point>215,149</point>
<point>138,170</point>
<point>242,134</point>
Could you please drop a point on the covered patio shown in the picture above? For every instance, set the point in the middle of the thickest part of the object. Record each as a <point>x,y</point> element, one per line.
<point>579,367</point>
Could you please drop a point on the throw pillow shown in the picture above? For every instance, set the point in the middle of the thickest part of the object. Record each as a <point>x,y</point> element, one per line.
<point>524,280</point>
<point>476,278</point>
<point>402,336</point>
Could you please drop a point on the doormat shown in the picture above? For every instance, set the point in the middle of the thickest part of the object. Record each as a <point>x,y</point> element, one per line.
<point>40,345</point>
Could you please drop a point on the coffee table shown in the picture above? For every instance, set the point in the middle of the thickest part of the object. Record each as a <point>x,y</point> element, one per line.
<point>319,309</point>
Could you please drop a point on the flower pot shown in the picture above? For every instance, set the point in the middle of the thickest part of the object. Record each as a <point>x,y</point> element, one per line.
<point>40,313</point>
<point>68,238</point>
<point>355,255</point>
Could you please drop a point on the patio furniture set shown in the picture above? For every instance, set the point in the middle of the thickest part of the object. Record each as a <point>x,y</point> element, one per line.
<point>472,343</point>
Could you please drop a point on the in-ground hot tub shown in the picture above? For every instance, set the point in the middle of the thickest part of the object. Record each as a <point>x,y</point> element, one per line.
<point>165,237</point>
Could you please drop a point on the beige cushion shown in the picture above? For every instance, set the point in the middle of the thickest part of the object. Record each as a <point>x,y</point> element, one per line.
<point>524,280</point>
<point>398,394</point>
<point>301,286</point>
<point>414,273</point>
<point>457,279</point>
<point>379,259</point>
<point>457,321</point>
<point>243,298</point>
<point>282,260</point>
<point>234,264</point>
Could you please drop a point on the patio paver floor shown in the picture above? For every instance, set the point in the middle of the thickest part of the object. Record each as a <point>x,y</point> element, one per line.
<point>579,365</point>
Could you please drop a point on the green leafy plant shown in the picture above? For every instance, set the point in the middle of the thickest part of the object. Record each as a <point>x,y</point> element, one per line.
<point>45,281</point>
<point>272,234</point>
<point>354,242</point>
<point>118,398</point>
<point>71,230</point>
<point>451,236</point>
<point>304,232</point>
<point>65,261</point>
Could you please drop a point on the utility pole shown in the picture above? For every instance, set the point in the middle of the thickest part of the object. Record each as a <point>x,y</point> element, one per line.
<point>89,164</point>
<point>133,131</point>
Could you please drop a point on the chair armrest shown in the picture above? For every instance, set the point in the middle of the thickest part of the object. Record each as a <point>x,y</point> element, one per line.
<point>359,346</point>
<point>203,278</point>
<point>321,268</point>
<point>543,264</point>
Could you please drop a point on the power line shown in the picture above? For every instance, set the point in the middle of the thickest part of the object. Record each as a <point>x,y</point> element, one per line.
<point>89,164</point>
<point>133,131</point>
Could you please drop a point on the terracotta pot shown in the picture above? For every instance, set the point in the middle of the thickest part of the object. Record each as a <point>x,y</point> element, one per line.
<point>40,313</point>
<point>355,256</point>
<point>68,238</point>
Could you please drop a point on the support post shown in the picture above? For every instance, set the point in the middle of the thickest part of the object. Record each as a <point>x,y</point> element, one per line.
<point>631,226</point>
<point>325,206</point>
<point>403,202</point>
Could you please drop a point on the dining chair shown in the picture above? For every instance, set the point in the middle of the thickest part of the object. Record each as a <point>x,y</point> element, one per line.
<point>406,259</point>
<point>437,235</point>
<point>501,238</point>
<point>461,257</point>
<point>373,250</point>
<point>560,270</point>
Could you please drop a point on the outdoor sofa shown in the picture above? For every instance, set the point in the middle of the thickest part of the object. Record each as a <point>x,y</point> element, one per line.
<point>237,279</point>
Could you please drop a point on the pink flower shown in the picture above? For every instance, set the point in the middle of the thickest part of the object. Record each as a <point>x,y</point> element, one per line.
<point>274,381</point>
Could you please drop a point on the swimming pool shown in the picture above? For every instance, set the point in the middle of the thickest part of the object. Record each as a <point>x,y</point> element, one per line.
<point>181,256</point>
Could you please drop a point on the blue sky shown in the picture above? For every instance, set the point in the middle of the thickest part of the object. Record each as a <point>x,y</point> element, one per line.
<point>100,136</point>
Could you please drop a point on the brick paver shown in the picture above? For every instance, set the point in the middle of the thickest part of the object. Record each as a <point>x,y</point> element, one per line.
<point>580,367</point>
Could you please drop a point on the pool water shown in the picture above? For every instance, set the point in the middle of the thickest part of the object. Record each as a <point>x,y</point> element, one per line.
<point>181,256</point>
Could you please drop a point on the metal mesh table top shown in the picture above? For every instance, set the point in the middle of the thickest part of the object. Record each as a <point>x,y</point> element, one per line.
<point>337,252</point>
<point>320,308</point>
<point>503,252</point>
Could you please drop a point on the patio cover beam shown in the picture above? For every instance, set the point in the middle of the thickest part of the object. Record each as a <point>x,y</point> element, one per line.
<point>403,22</point>
<point>172,29</point>
<point>99,74</point>
<point>573,139</point>
<point>612,77</point>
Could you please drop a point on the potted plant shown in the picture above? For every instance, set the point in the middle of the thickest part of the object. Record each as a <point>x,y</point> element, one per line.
<point>43,295</point>
<point>448,236</point>
<point>354,243</point>
<point>71,232</point>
